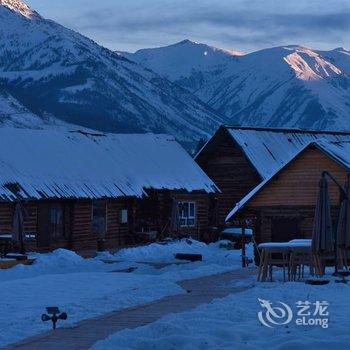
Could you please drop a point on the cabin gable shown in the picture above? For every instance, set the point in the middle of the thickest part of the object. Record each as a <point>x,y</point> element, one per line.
<point>297,184</point>
<point>223,160</point>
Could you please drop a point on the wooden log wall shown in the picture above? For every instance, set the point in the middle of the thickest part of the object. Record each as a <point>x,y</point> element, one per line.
<point>155,212</point>
<point>6,217</point>
<point>78,233</point>
<point>117,234</point>
<point>200,231</point>
<point>225,163</point>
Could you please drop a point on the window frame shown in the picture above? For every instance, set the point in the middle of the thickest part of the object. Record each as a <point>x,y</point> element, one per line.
<point>121,221</point>
<point>189,216</point>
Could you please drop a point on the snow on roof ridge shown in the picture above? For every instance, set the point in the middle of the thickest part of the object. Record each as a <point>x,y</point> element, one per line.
<point>286,130</point>
<point>20,7</point>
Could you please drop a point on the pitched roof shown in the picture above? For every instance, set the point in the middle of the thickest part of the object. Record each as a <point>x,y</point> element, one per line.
<point>339,151</point>
<point>269,149</point>
<point>60,164</point>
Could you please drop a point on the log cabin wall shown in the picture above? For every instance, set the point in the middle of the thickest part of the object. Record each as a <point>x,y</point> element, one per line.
<point>77,233</point>
<point>117,233</point>
<point>292,195</point>
<point>77,224</point>
<point>6,215</point>
<point>225,163</point>
<point>154,213</point>
<point>200,229</point>
<point>151,212</point>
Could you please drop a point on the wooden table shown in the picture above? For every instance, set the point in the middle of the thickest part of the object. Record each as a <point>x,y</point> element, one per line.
<point>289,258</point>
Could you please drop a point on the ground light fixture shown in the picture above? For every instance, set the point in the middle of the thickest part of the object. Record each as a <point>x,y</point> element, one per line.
<point>53,314</point>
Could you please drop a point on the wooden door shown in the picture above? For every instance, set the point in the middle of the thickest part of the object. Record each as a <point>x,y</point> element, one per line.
<point>44,236</point>
<point>285,229</point>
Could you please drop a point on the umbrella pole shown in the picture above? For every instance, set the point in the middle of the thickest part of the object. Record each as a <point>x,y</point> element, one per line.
<point>346,197</point>
<point>336,246</point>
<point>23,250</point>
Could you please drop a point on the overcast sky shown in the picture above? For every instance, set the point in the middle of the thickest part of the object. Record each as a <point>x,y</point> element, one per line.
<point>244,25</point>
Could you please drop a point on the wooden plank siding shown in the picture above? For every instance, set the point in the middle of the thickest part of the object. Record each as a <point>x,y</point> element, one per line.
<point>226,164</point>
<point>297,184</point>
<point>292,193</point>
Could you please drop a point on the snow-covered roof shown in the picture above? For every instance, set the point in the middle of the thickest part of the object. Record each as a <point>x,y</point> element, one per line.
<point>62,164</point>
<point>269,149</point>
<point>339,151</point>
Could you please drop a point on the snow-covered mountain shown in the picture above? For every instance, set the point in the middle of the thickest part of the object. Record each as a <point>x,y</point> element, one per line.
<point>53,70</point>
<point>13,113</point>
<point>186,62</point>
<point>289,86</point>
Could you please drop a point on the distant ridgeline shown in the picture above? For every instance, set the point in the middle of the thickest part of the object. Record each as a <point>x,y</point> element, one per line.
<point>48,72</point>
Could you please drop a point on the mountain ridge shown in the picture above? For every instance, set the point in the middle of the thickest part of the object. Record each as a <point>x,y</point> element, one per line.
<point>290,85</point>
<point>53,70</point>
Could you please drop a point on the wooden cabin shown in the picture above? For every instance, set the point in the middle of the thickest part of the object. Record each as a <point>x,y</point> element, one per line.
<point>239,158</point>
<point>81,190</point>
<point>282,207</point>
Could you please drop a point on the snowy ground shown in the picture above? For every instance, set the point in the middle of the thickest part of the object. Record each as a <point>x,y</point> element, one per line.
<point>232,323</point>
<point>88,287</point>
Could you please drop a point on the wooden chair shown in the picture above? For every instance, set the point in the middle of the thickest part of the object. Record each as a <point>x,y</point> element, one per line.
<point>299,258</point>
<point>273,255</point>
<point>343,259</point>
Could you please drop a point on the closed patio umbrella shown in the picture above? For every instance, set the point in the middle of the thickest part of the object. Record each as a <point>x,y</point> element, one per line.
<point>343,228</point>
<point>17,226</point>
<point>322,236</point>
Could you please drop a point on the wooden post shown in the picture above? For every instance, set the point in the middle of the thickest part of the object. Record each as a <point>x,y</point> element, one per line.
<point>243,245</point>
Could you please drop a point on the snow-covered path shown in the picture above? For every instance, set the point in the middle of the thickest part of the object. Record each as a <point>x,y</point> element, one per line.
<point>233,323</point>
<point>87,288</point>
<point>86,333</point>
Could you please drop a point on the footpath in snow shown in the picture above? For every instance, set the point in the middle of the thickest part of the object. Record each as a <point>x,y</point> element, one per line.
<point>232,322</point>
<point>85,288</point>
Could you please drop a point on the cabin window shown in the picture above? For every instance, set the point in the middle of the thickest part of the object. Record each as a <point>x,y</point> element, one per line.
<point>123,216</point>
<point>56,221</point>
<point>187,214</point>
<point>99,218</point>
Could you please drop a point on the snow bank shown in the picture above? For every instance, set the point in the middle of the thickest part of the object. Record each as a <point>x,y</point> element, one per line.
<point>81,295</point>
<point>215,259</point>
<point>61,261</point>
<point>159,252</point>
